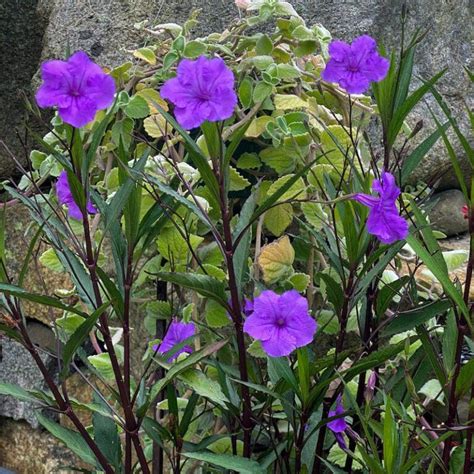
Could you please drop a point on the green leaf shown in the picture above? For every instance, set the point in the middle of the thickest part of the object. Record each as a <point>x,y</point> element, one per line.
<point>405,108</point>
<point>466,379</point>
<point>289,102</point>
<point>79,336</point>
<point>204,386</point>
<point>410,319</point>
<point>216,315</point>
<point>264,45</point>
<point>204,285</point>
<point>18,393</point>
<point>262,91</point>
<point>137,108</point>
<point>412,161</point>
<point>72,439</point>
<point>246,92</point>
<point>299,281</point>
<point>236,181</point>
<point>179,367</point>
<point>41,299</point>
<point>194,49</point>
<point>389,437</point>
<point>278,218</point>
<point>227,461</point>
<point>50,260</point>
<point>106,435</point>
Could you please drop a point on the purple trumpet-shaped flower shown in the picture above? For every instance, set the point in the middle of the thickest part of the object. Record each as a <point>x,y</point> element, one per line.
<point>339,426</point>
<point>384,219</point>
<point>356,65</point>
<point>176,334</point>
<point>78,87</point>
<point>202,90</point>
<point>281,322</point>
<point>63,192</point>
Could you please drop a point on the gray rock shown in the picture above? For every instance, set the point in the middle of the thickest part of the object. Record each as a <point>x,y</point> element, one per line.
<point>18,368</point>
<point>446,215</point>
<point>21,33</point>
<point>104,28</point>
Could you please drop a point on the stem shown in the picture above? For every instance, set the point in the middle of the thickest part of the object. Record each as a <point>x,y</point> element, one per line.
<point>467,287</point>
<point>63,405</point>
<point>299,442</point>
<point>126,352</point>
<point>236,317</point>
<point>131,425</point>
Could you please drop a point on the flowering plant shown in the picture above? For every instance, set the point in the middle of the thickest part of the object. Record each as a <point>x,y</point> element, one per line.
<point>216,224</point>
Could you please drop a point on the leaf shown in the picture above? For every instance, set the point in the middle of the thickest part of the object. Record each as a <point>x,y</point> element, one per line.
<point>155,431</point>
<point>433,390</point>
<point>204,285</point>
<point>152,96</point>
<point>278,218</point>
<point>297,189</point>
<point>289,102</point>
<point>246,92</point>
<point>299,281</point>
<point>204,386</point>
<point>314,214</point>
<point>414,158</point>
<point>248,161</point>
<point>262,91</point>
<point>156,125</point>
<point>216,315</point>
<point>50,260</point>
<point>465,379</point>
<point>178,368</point>
<point>146,54</point>
<point>175,247</point>
<point>236,181</point>
<point>71,439</point>
<point>258,125</point>
<point>194,48</point>
<point>281,159</point>
<point>137,108</point>
<point>102,363</point>
<point>18,393</point>
<point>79,336</point>
<point>41,299</point>
<point>410,319</point>
<point>227,461</point>
<point>276,260</point>
<point>106,435</point>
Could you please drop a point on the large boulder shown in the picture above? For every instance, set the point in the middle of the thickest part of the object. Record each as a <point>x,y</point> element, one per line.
<point>105,29</point>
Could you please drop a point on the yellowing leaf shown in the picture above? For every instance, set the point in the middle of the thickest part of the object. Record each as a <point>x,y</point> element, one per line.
<point>146,54</point>
<point>297,190</point>
<point>51,261</point>
<point>289,102</point>
<point>155,125</point>
<point>152,98</point>
<point>276,260</point>
<point>258,126</point>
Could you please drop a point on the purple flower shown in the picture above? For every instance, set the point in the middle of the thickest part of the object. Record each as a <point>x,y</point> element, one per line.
<point>248,307</point>
<point>78,87</point>
<point>63,191</point>
<point>354,66</point>
<point>202,90</point>
<point>384,220</point>
<point>281,322</point>
<point>339,426</point>
<point>175,335</point>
